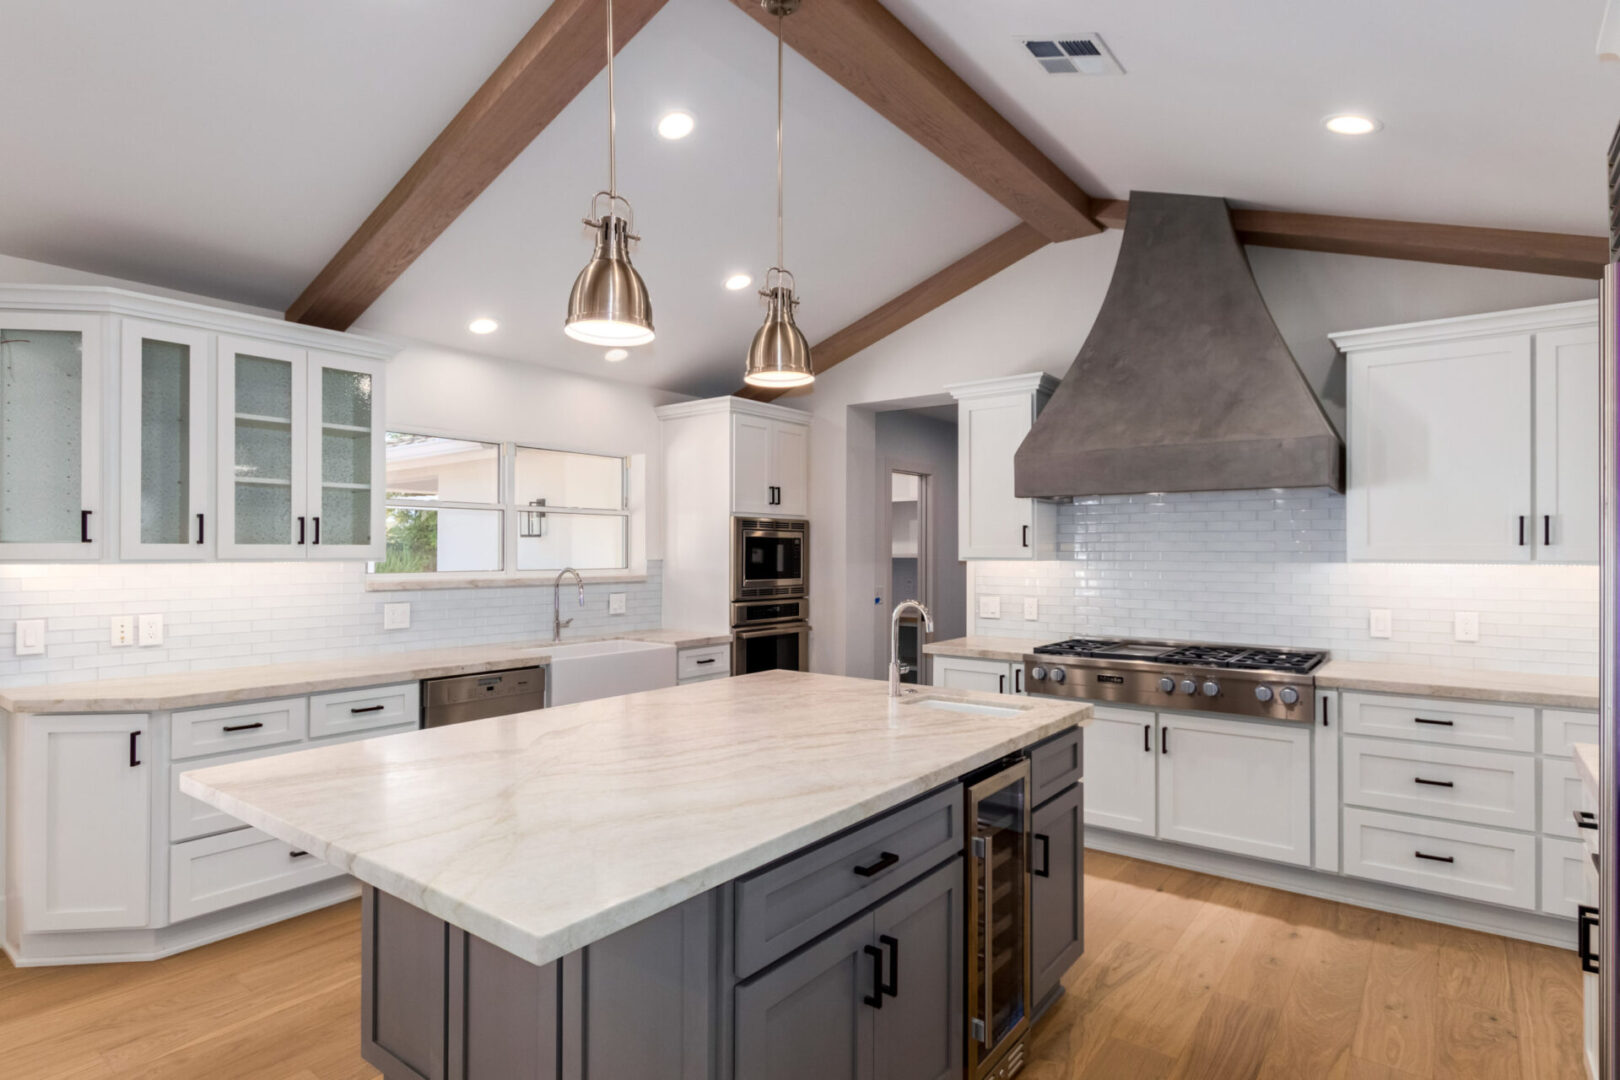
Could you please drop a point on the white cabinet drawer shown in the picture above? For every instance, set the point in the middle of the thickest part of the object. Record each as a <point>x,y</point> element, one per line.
<point>702,663</point>
<point>363,710</point>
<point>1562,793</point>
<point>982,676</point>
<point>1561,729</point>
<point>1458,723</point>
<point>1476,786</point>
<point>1440,856</point>
<point>222,871</point>
<point>225,729</point>
<point>1563,876</point>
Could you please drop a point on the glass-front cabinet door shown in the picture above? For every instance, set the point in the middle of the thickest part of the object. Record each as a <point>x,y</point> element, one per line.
<point>50,436</point>
<point>346,446</point>
<point>166,455</point>
<point>263,442</point>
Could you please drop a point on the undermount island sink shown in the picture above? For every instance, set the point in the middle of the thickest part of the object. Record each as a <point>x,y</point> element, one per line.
<point>599,669</point>
<point>964,707</point>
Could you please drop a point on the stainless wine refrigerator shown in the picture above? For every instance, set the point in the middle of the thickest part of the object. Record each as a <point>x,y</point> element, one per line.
<point>998,982</point>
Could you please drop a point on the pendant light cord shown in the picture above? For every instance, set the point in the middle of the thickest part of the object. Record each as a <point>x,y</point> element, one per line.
<point>780,262</point>
<point>613,161</point>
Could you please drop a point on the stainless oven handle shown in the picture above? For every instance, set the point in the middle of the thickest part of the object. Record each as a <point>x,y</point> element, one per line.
<point>775,631</point>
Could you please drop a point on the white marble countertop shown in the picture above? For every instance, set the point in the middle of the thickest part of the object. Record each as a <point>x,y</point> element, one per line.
<point>1586,763</point>
<point>544,831</point>
<point>182,690</point>
<point>1467,684</point>
<point>987,647</point>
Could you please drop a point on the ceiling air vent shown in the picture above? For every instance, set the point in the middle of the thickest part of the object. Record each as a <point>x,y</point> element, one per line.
<point>1073,54</point>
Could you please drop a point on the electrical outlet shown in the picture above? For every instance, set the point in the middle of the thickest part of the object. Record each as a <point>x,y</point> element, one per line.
<point>989,607</point>
<point>1379,622</point>
<point>1032,608</point>
<point>397,616</point>
<point>123,630</point>
<point>616,603</point>
<point>1467,626</point>
<point>30,637</point>
<point>151,630</point>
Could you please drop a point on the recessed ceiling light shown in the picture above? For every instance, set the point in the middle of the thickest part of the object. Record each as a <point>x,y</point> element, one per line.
<point>738,281</point>
<point>1351,124</point>
<point>483,326</point>
<point>613,356</point>
<point>676,125</point>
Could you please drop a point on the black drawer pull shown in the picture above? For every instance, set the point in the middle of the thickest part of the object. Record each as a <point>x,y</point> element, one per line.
<point>317,530</point>
<point>296,854</point>
<point>1433,783</point>
<point>134,749</point>
<point>1436,723</point>
<point>1164,740</point>
<point>875,998</point>
<point>892,986</point>
<point>300,530</point>
<point>1586,920</point>
<point>1435,858</point>
<point>199,528</point>
<point>1521,530</point>
<point>1546,530</point>
<point>1585,819</point>
<point>84,526</point>
<point>884,861</point>
<point>367,708</point>
<point>244,727</point>
<point>1147,738</point>
<point>710,660</point>
<point>1046,855</point>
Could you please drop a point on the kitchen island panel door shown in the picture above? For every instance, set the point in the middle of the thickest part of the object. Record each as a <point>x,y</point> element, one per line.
<point>1057,891</point>
<point>404,953</point>
<point>505,1013</point>
<point>918,1032</point>
<point>808,1017</point>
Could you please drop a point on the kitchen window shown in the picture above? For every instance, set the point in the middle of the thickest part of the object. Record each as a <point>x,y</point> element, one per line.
<point>460,508</point>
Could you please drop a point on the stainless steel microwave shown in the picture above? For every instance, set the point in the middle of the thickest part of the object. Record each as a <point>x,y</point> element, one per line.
<point>770,558</point>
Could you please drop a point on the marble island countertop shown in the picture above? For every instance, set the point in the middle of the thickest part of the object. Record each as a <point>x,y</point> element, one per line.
<point>1586,763</point>
<point>544,831</point>
<point>182,690</point>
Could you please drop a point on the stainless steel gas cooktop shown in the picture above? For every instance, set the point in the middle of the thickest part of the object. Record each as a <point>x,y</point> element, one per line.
<point>1244,680</point>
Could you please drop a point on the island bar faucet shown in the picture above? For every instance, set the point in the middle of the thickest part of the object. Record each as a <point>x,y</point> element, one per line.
<point>894,639</point>
<point>557,621</point>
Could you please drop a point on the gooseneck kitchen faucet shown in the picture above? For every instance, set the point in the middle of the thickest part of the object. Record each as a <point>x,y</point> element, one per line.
<point>894,639</point>
<point>557,621</point>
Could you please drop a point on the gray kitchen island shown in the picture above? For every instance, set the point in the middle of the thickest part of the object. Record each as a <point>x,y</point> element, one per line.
<point>774,876</point>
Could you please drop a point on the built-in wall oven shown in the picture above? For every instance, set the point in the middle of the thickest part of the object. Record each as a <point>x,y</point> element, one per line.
<point>769,558</point>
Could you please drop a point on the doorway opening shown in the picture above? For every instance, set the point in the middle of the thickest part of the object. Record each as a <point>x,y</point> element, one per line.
<point>908,555</point>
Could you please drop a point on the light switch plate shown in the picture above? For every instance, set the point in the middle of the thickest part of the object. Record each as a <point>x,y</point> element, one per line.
<point>397,616</point>
<point>989,607</point>
<point>616,603</point>
<point>1467,626</point>
<point>123,630</point>
<point>151,630</point>
<point>30,637</point>
<point>1379,622</point>
<point>1032,608</point>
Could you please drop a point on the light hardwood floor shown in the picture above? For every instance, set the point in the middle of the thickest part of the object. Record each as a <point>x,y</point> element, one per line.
<point>1184,976</point>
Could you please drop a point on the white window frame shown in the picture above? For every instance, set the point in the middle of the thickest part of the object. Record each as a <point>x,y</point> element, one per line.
<point>632,509</point>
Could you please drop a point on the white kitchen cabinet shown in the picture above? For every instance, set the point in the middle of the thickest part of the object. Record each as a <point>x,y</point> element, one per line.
<point>166,458</point>
<point>1121,762</point>
<point>770,465</point>
<point>346,471</point>
<point>1474,439</point>
<point>1235,785</point>
<point>982,676</point>
<point>51,425</point>
<point>993,416</point>
<point>81,809</point>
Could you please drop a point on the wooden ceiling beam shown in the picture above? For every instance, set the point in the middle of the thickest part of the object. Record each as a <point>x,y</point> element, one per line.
<point>556,59</point>
<point>1562,254</point>
<point>976,266</point>
<point>870,53</point>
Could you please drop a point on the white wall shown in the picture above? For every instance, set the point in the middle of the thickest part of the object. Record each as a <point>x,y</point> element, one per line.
<point>1034,316</point>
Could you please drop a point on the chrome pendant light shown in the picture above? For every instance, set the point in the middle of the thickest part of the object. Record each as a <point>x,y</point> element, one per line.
<point>609,304</point>
<point>779,357</point>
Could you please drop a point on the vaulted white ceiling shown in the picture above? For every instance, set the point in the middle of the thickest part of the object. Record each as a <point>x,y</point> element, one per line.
<point>228,149</point>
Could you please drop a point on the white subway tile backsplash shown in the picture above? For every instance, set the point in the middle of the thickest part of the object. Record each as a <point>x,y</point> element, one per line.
<point>238,614</point>
<point>1270,569</point>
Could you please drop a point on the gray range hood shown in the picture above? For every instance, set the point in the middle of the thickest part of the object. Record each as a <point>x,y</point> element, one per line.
<point>1184,383</point>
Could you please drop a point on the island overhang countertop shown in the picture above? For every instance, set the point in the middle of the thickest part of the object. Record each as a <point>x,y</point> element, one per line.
<point>542,832</point>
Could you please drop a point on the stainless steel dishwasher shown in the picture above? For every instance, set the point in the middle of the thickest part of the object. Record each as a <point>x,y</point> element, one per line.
<point>473,697</point>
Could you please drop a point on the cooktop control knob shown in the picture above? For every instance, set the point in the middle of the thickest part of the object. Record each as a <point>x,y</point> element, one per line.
<point>1188,686</point>
<point>1288,695</point>
<point>1056,675</point>
<point>1263,693</point>
<point>1037,673</point>
<point>1167,684</point>
<point>1211,688</point>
